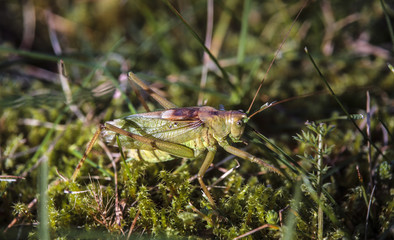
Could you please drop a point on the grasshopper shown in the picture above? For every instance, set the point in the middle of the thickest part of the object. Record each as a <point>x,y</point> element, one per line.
<point>176,132</point>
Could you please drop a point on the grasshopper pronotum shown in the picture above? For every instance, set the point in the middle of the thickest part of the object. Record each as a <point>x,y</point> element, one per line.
<point>176,132</point>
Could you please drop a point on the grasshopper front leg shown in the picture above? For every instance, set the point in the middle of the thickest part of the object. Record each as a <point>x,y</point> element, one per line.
<point>247,156</point>
<point>204,167</point>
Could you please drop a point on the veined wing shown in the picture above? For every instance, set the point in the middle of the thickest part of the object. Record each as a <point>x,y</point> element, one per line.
<point>175,125</point>
<point>172,131</point>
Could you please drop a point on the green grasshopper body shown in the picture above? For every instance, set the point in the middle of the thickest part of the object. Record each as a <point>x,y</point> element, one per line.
<point>176,132</point>
<point>197,128</point>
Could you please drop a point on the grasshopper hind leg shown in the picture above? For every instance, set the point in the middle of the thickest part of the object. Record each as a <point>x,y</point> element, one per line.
<point>154,143</point>
<point>87,151</point>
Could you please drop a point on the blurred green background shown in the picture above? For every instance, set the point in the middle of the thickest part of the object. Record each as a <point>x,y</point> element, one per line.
<point>48,119</point>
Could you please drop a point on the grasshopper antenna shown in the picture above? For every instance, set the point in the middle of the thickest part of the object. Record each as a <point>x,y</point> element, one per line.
<point>275,56</point>
<point>268,105</point>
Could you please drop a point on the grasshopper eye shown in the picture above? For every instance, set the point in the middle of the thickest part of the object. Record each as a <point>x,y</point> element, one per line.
<point>239,123</point>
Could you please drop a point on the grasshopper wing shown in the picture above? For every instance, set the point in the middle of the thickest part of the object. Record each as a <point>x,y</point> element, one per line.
<point>181,130</point>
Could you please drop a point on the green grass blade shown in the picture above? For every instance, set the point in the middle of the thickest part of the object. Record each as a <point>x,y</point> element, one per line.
<point>197,37</point>
<point>340,103</point>
<point>43,228</point>
<point>389,26</point>
<point>287,160</point>
<point>123,157</point>
<point>106,172</point>
<point>244,31</point>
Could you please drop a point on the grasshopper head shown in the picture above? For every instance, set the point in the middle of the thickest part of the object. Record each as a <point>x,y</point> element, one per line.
<point>237,123</point>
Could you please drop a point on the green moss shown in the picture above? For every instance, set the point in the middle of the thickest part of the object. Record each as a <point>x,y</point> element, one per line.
<point>165,200</point>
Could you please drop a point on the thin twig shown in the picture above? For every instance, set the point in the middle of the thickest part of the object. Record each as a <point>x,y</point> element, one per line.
<point>258,229</point>
<point>38,123</point>
<point>133,224</point>
<point>15,220</point>
<point>67,91</point>
<point>369,209</point>
<point>52,33</point>
<point>206,59</point>
<point>368,108</point>
<point>226,173</point>
<point>29,24</point>
<point>118,212</point>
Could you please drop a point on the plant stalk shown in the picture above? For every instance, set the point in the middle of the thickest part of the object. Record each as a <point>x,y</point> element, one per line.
<point>319,188</point>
